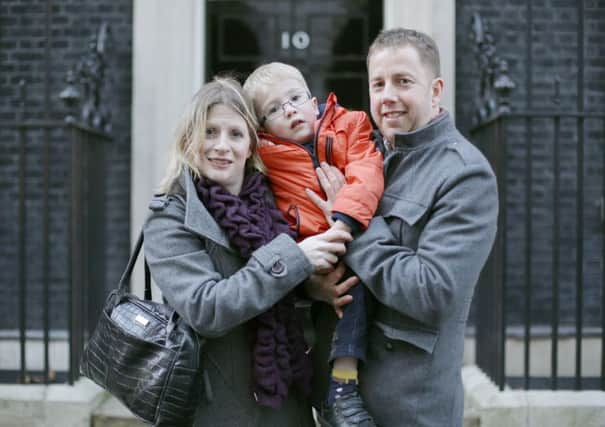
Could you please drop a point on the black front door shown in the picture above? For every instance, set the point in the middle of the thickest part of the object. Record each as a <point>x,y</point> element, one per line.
<point>326,39</point>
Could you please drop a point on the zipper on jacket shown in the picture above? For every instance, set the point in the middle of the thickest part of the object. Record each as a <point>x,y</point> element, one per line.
<point>315,141</point>
<point>329,143</point>
<point>313,156</point>
<point>296,217</point>
<point>308,147</point>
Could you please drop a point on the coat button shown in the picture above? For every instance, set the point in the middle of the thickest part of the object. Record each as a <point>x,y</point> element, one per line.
<point>388,346</point>
<point>278,268</point>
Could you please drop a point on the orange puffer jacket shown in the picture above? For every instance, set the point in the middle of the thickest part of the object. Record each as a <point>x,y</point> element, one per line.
<point>342,139</point>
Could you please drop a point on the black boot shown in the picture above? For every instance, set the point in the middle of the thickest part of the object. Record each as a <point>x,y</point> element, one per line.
<point>346,411</point>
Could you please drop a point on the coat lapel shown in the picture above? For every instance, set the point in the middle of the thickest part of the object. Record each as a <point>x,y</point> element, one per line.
<point>197,218</point>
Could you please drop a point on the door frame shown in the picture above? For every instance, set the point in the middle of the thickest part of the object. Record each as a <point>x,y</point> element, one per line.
<point>161,85</point>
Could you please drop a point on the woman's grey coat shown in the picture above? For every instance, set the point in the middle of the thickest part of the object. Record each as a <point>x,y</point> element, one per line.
<point>217,292</point>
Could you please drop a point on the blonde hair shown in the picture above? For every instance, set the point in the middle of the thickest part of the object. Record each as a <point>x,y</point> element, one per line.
<point>401,37</point>
<point>190,133</point>
<point>260,80</point>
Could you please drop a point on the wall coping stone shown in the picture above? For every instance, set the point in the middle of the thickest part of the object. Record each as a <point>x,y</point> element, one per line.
<point>530,408</point>
<point>50,405</point>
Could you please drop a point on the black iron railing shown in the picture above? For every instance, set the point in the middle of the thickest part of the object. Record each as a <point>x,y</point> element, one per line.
<point>523,148</point>
<point>84,281</point>
<point>59,261</point>
<point>544,281</point>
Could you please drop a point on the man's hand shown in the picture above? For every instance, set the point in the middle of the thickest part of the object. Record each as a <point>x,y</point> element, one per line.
<point>325,287</point>
<point>331,180</point>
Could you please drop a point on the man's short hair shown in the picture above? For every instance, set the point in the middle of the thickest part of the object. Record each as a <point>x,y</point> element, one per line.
<point>402,37</point>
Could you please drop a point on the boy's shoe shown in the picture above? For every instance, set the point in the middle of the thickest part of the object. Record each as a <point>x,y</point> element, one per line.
<point>346,411</point>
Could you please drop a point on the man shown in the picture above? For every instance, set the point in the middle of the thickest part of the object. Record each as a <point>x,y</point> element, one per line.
<point>421,256</point>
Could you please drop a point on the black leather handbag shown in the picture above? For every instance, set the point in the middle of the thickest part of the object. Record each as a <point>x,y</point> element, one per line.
<point>145,355</point>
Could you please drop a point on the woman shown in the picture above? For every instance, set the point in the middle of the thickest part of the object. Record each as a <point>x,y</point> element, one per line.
<point>227,262</point>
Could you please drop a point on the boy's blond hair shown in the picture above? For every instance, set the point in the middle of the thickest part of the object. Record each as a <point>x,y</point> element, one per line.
<point>258,84</point>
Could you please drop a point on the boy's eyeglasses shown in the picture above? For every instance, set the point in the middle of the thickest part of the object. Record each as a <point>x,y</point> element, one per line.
<point>275,110</point>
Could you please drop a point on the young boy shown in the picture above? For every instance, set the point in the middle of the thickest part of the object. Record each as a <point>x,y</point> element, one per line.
<point>295,139</point>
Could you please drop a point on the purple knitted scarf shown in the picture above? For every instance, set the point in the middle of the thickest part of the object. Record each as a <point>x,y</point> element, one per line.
<point>251,220</point>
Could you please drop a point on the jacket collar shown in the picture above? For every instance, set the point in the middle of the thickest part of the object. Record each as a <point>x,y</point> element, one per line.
<point>433,133</point>
<point>327,111</point>
<point>197,218</point>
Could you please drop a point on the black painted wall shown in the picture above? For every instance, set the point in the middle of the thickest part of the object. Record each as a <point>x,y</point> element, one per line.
<point>23,56</point>
<point>555,51</point>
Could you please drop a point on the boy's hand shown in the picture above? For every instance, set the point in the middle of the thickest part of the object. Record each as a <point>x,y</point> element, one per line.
<point>340,225</point>
<point>323,250</point>
<point>331,180</point>
<point>325,287</point>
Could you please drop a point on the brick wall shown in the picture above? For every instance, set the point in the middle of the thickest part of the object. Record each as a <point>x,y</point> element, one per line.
<point>23,56</point>
<point>554,53</point>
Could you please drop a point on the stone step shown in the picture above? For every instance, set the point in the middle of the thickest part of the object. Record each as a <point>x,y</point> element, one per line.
<point>471,419</point>
<point>112,413</point>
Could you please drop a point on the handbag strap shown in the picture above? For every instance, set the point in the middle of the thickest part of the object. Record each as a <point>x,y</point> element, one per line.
<point>125,279</point>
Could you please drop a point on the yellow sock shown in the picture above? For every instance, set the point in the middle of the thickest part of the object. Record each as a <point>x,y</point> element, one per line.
<point>344,375</point>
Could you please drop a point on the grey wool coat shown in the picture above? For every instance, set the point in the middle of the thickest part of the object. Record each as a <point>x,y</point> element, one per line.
<point>420,259</point>
<point>217,292</point>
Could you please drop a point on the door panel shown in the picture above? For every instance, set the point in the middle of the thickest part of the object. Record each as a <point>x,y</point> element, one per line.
<point>327,40</point>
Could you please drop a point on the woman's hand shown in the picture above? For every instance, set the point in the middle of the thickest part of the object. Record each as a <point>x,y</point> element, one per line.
<point>323,249</point>
<point>325,287</point>
<point>331,180</point>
